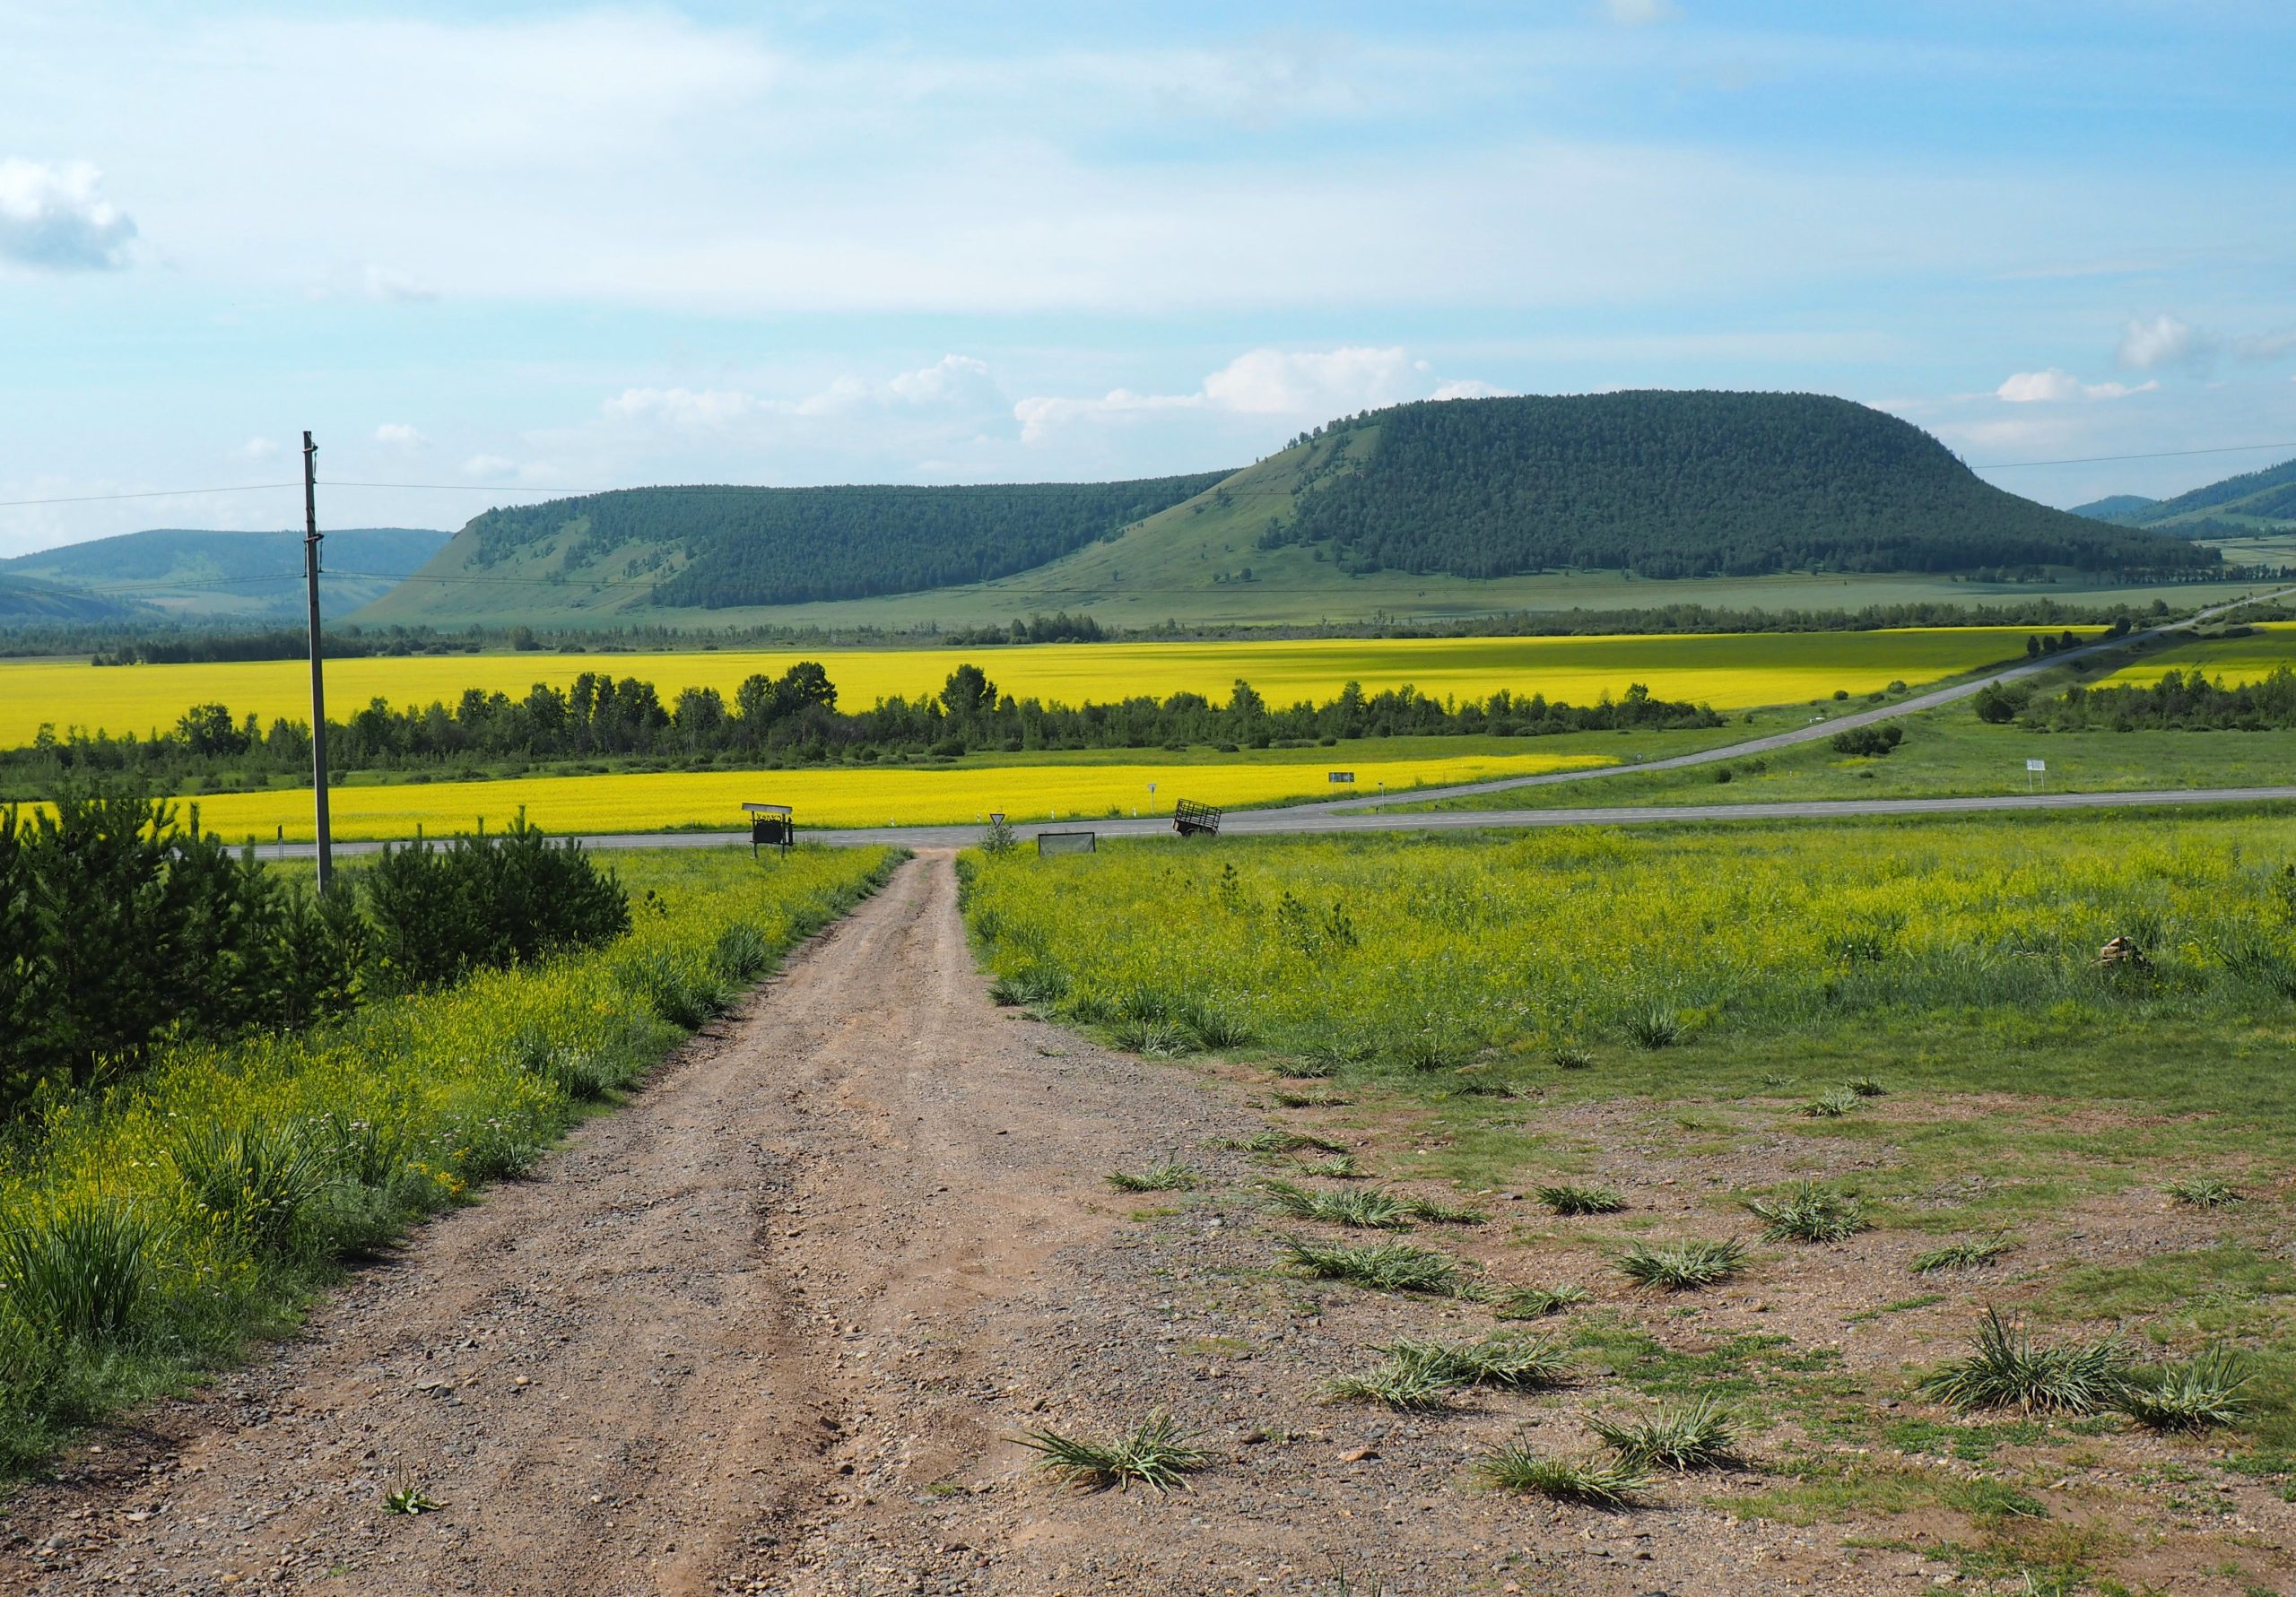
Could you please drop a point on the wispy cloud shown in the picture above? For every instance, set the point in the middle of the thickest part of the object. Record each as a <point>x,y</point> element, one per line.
<point>2054,384</point>
<point>399,435</point>
<point>2147,344</point>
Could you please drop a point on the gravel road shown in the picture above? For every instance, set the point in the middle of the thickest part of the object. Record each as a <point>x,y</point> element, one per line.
<point>775,1325</point>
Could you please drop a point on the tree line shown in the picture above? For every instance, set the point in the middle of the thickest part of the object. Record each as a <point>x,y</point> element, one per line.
<point>121,924</point>
<point>2181,700</point>
<point>792,718</point>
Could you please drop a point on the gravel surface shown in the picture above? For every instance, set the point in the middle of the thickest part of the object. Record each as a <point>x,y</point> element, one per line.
<point>778,1324</point>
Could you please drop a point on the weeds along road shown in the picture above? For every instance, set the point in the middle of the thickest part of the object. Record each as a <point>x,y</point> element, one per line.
<point>1362,814</point>
<point>775,1325</point>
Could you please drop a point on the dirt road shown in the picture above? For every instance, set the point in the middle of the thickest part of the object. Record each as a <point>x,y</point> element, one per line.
<point>773,1326</point>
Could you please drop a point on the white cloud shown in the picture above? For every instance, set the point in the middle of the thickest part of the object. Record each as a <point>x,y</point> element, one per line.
<point>489,467</point>
<point>1468,388</point>
<point>683,407</point>
<point>52,216</point>
<point>1640,14</point>
<point>2163,340</point>
<point>257,449</point>
<point>955,388</point>
<point>396,288</point>
<point>398,435</point>
<point>2054,384</point>
<point>1313,385</point>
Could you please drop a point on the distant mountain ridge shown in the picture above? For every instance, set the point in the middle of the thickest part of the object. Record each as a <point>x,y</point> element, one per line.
<point>2252,503</point>
<point>200,574</point>
<point>24,601</point>
<point>1459,492</point>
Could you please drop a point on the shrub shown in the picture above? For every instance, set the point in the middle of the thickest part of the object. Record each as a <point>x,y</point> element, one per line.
<point>486,901</point>
<point>1871,742</point>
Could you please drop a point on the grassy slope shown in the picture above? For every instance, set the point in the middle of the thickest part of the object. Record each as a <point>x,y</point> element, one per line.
<point>1177,565</point>
<point>211,575</point>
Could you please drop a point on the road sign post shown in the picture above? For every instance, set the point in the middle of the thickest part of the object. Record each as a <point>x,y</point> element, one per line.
<point>2034,770</point>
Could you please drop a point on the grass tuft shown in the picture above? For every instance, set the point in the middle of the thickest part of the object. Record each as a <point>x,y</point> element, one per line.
<point>1829,1106</point>
<point>1582,1200</point>
<point>1170,1177</point>
<point>2193,1395</point>
<point>1366,1208</point>
<point>1961,1255</point>
<point>1388,1266</point>
<point>1809,1213</point>
<point>1510,1361</point>
<point>1572,1059</point>
<point>1652,1028</point>
<point>83,1271</point>
<point>1343,1168</point>
<point>1436,1212</point>
<point>410,1500</point>
<point>1537,1303</point>
<point>1690,1436</point>
<point>2204,1192</point>
<point>1275,1141</point>
<point>1681,1266</point>
<point>1516,1467</point>
<point>1154,1453</point>
<point>1151,1038</point>
<point>2006,1369</point>
<point>1866,1087</point>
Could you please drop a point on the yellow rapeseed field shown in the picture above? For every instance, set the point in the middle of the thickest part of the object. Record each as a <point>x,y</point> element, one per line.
<point>866,795</point>
<point>1726,670</point>
<point>2229,660</point>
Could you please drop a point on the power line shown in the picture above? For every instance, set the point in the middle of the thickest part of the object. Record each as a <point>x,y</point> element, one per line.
<point>2010,465</point>
<point>154,493</point>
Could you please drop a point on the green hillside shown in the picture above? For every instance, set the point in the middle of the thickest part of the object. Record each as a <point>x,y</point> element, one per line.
<point>24,601</point>
<point>2127,508</point>
<point>2241,506</point>
<point>203,576</point>
<point>1460,508</point>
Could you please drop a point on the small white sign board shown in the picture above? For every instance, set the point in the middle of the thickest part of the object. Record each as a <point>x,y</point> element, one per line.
<point>2036,765</point>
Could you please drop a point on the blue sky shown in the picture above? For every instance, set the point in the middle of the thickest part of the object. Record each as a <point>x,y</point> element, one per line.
<point>529,246</point>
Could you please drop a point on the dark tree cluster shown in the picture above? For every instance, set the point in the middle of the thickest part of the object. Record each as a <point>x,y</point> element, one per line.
<point>121,925</point>
<point>739,546</point>
<point>1691,484</point>
<point>2181,700</point>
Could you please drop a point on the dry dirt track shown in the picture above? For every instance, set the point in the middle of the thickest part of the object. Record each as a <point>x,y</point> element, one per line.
<point>772,1326</point>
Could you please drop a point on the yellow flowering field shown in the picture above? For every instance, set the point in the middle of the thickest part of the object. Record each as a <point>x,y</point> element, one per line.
<point>1726,670</point>
<point>847,795</point>
<point>2229,660</point>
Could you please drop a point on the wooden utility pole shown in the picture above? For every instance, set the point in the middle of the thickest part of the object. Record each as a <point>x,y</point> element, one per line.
<point>319,685</point>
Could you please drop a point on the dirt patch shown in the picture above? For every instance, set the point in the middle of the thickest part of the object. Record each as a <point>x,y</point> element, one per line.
<point>776,1326</point>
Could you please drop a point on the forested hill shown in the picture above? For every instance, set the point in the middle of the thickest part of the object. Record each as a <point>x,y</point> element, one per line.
<point>1683,484</point>
<point>715,548</point>
<point>2252,503</point>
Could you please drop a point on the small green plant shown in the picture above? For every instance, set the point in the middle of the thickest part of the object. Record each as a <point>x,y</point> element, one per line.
<point>1986,1498</point>
<point>1341,1584</point>
<point>2192,1395</point>
<point>1274,1141</point>
<point>1151,1038</point>
<point>1809,1214</point>
<point>1681,1266</point>
<point>82,1271</point>
<point>2006,1369</point>
<point>1155,1453</point>
<point>1319,1099</point>
<point>1536,1303</point>
<point>1366,1208</point>
<point>1599,1485</point>
<point>1652,1027</point>
<point>2204,1192</point>
<point>1569,1058</point>
<point>1387,1266</point>
<point>1214,1027</point>
<point>1829,1106</point>
<point>1436,1212</point>
<point>1582,1200</point>
<point>408,1498</point>
<point>1342,1169</point>
<point>1510,1361</point>
<point>1411,1385</point>
<point>1961,1255</point>
<point>1169,1176</point>
<point>1866,1087</point>
<point>997,839</point>
<point>1681,1436</point>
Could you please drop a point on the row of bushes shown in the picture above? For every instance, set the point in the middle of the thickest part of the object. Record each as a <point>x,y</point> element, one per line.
<point>146,1230</point>
<point>120,926</point>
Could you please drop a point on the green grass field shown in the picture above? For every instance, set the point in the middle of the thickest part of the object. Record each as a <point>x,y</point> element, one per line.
<point>1910,1015</point>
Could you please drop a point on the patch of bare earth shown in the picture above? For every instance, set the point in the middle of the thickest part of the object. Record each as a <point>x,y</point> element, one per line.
<point>776,1324</point>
